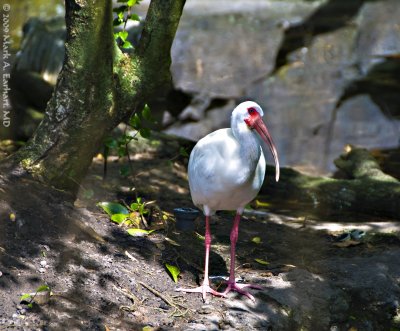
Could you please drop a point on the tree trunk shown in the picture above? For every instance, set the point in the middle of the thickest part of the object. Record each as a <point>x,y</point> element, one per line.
<point>366,189</point>
<point>97,88</point>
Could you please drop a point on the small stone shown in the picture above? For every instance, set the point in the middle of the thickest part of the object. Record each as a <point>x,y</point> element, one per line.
<point>206,309</point>
<point>43,263</point>
<point>42,270</point>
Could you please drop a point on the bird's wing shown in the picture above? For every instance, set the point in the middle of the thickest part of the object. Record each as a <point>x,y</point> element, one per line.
<point>209,172</point>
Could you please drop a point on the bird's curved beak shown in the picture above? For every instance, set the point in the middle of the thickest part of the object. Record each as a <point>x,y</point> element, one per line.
<point>262,130</point>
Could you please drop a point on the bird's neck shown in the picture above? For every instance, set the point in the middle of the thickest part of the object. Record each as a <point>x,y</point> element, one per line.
<point>250,146</point>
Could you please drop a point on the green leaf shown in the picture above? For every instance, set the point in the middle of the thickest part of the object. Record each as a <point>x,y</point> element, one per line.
<point>125,170</point>
<point>183,152</point>
<point>25,298</point>
<point>117,21</point>
<point>135,206</point>
<point>112,208</point>
<point>146,113</point>
<point>120,9</point>
<point>135,121</point>
<point>256,240</point>
<point>122,151</point>
<point>174,271</point>
<point>131,3</point>
<point>135,232</point>
<point>135,17</point>
<point>119,218</point>
<point>127,45</point>
<point>200,237</point>
<point>262,204</point>
<point>145,132</point>
<point>111,143</point>
<point>123,35</point>
<point>43,288</point>
<point>261,261</point>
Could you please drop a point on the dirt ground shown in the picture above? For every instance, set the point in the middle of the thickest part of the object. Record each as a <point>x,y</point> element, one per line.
<point>101,278</point>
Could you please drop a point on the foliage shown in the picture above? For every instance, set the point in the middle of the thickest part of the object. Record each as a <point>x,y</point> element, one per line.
<point>30,297</point>
<point>112,208</point>
<point>123,15</point>
<point>129,216</point>
<point>256,240</point>
<point>174,271</point>
<point>135,232</point>
<point>261,261</point>
<point>119,145</point>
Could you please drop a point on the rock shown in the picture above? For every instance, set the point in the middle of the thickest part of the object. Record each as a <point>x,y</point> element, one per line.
<point>326,74</point>
<point>305,96</point>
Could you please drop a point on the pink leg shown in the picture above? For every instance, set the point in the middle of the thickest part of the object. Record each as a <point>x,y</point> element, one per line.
<point>232,285</point>
<point>205,287</point>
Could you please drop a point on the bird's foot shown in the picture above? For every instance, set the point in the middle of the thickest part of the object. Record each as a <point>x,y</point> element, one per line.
<point>240,289</point>
<point>204,289</point>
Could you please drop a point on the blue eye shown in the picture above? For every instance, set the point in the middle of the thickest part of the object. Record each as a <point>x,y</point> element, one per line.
<point>251,110</point>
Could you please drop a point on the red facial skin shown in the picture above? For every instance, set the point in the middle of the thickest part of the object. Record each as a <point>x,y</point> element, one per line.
<point>255,121</point>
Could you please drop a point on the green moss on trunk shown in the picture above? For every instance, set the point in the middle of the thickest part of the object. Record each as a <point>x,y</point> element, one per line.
<point>97,88</point>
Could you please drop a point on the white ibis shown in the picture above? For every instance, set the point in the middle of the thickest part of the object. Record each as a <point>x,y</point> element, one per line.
<point>226,171</point>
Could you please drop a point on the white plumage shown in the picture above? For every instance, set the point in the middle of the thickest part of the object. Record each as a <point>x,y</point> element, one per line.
<point>226,171</point>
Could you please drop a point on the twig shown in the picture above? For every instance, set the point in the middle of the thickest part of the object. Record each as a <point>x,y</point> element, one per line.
<point>165,298</point>
<point>134,259</point>
<point>129,294</point>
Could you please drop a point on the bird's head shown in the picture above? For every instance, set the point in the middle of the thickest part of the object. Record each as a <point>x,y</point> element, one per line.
<point>251,114</point>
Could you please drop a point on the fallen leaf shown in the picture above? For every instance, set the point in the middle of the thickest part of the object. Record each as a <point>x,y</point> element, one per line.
<point>135,232</point>
<point>112,208</point>
<point>174,271</point>
<point>256,240</point>
<point>119,218</point>
<point>172,242</point>
<point>199,236</point>
<point>261,261</point>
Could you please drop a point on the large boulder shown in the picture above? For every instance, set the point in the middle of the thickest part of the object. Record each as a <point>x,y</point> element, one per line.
<point>326,73</point>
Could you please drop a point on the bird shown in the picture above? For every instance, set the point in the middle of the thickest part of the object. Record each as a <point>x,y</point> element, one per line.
<point>226,170</point>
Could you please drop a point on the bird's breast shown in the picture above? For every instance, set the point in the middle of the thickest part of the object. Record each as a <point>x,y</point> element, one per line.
<point>220,176</point>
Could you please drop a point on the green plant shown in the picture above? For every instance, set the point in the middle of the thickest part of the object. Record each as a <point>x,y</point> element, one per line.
<point>128,216</point>
<point>123,15</point>
<point>174,271</point>
<point>29,298</point>
<point>119,144</point>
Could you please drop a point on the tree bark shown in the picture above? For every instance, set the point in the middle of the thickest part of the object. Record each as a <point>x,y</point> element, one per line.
<point>97,88</point>
<point>366,189</point>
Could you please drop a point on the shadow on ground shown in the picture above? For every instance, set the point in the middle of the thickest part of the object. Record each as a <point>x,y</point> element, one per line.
<point>102,277</point>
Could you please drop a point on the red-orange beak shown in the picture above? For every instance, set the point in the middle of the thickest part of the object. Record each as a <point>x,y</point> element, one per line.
<point>258,124</point>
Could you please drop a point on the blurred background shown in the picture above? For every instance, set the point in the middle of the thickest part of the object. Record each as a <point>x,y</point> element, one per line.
<point>327,73</point>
